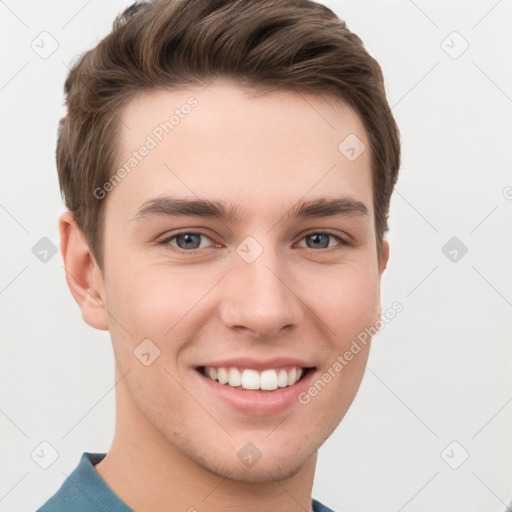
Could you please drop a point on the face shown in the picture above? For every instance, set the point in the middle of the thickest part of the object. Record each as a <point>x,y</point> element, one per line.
<point>245,278</point>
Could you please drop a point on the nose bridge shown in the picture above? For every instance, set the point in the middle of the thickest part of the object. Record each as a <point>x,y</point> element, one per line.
<point>260,296</point>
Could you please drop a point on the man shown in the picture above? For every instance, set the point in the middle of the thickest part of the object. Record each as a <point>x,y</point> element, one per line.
<point>228,167</point>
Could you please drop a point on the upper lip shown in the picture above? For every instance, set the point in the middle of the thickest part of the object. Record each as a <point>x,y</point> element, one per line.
<point>247,362</point>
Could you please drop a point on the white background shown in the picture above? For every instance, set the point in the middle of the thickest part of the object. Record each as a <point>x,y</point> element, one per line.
<point>439,372</point>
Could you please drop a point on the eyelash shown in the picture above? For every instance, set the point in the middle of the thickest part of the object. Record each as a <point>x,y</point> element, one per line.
<point>166,241</point>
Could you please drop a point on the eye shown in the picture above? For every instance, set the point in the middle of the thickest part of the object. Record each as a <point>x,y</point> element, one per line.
<point>320,240</point>
<point>186,241</point>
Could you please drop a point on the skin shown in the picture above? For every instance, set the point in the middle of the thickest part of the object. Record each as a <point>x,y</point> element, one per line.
<point>175,444</point>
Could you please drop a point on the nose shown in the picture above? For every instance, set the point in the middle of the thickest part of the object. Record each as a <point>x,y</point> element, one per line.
<point>260,297</point>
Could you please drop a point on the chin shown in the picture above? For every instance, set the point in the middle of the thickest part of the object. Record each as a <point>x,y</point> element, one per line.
<point>274,464</point>
<point>261,472</point>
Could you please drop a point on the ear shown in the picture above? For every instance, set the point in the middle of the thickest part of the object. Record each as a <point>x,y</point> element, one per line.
<point>383,261</point>
<point>82,273</point>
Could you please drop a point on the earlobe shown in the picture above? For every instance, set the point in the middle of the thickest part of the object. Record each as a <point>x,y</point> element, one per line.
<point>83,276</point>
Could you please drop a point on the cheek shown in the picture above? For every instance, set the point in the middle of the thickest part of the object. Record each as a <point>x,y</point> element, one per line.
<point>140,309</point>
<point>147,299</point>
<point>348,301</point>
<point>163,305</point>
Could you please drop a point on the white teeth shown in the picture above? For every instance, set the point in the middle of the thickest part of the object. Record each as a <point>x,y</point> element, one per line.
<point>235,379</point>
<point>248,378</point>
<point>268,380</point>
<point>222,375</point>
<point>282,378</point>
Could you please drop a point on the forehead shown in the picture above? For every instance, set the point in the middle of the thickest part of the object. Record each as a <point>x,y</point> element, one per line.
<point>227,143</point>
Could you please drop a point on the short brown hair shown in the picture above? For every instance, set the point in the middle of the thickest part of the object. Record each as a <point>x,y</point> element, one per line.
<point>295,45</point>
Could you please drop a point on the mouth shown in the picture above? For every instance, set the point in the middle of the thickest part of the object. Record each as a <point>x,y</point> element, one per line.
<point>243,389</point>
<point>250,379</point>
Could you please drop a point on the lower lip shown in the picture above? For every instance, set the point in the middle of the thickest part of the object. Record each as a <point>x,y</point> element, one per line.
<point>258,402</point>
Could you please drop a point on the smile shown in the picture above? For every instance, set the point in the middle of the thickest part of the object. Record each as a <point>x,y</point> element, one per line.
<point>251,379</point>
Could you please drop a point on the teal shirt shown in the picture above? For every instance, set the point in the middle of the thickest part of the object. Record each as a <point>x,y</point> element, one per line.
<point>84,490</point>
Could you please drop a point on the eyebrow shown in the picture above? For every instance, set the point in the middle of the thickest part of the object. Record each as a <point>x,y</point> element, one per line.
<point>176,207</point>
